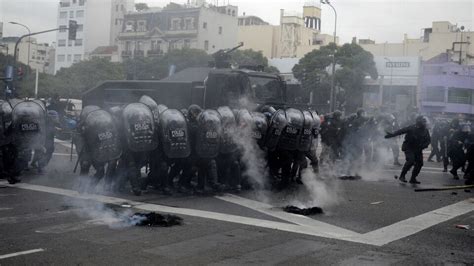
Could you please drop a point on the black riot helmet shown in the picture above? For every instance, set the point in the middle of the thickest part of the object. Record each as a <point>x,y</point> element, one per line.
<point>455,124</point>
<point>193,111</point>
<point>337,115</point>
<point>360,112</point>
<point>421,121</point>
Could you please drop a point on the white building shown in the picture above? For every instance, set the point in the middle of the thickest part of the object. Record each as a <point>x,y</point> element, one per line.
<point>98,25</point>
<point>38,52</point>
<point>155,31</point>
<point>1,29</point>
<point>396,88</point>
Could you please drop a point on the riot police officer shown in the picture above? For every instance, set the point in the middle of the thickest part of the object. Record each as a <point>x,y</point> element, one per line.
<point>417,138</point>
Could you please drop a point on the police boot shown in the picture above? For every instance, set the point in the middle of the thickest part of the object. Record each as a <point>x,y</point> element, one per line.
<point>455,174</point>
<point>414,181</point>
<point>402,179</point>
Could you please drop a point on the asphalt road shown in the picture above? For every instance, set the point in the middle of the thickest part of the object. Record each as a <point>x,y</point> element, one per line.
<point>373,221</point>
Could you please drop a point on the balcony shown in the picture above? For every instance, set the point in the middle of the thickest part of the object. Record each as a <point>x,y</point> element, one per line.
<point>126,53</point>
<point>155,52</point>
<point>139,53</point>
<point>133,35</point>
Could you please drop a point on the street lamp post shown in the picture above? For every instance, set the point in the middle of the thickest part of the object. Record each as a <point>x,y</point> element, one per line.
<point>391,84</point>
<point>29,38</point>
<point>333,78</point>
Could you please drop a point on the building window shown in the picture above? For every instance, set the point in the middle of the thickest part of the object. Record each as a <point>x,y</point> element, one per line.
<point>74,1</point>
<point>79,13</point>
<point>69,58</point>
<point>77,58</point>
<point>187,44</point>
<point>175,24</point>
<point>122,8</point>
<point>206,45</point>
<point>434,94</point>
<point>63,14</point>
<point>204,25</point>
<point>69,42</point>
<point>80,27</point>
<point>61,43</point>
<point>127,46</point>
<point>189,24</point>
<point>78,42</point>
<point>62,28</point>
<point>220,30</point>
<point>233,13</point>
<point>71,14</point>
<point>82,2</point>
<point>459,95</point>
<point>116,8</point>
<point>61,57</point>
<point>141,25</point>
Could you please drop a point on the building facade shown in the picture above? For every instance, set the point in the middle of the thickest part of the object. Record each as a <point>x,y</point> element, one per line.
<point>1,29</point>
<point>38,53</point>
<point>442,37</point>
<point>98,25</point>
<point>156,31</point>
<point>396,88</point>
<point>447,88</point>
<point>297,34</point>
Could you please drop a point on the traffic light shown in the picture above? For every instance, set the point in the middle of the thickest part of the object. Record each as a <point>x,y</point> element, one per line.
<point>9,73</point>
<point>72,30</point>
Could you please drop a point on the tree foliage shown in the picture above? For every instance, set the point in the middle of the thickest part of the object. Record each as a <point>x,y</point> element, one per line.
<point>354,64</point>
<point>250,57</point>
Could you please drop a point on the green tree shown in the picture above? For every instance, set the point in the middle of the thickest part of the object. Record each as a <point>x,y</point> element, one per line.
<point>78,78</point>
<point>354,65</point>
<point>141,6</point>
<point>253,58</point>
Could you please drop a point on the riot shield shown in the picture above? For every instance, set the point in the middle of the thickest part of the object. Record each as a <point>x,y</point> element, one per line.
<point>228,130</point>
<point>101,137</point>
<point>208,134</point>
<point>29,125</point>
<point>5,122</point>
<point>86,111</point>
<point>260,128</point>
<point>138,122</point>
<point>174,134</point>
<point>275,128</point>
<point>306,136</point>
<point>289,139</point>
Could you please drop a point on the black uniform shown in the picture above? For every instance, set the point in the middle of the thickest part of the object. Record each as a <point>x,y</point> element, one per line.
<point>436,142</point>
<point>456,151</point>
<point>417,138</point>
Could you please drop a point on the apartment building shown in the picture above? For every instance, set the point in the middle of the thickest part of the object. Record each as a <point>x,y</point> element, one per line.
<point>99,22</point>
<point>155,31</point>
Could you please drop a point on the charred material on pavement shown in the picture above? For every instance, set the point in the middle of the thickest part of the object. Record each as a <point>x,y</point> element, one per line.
<point>153,219</point>
<point>350,177</point>
<point>303,211</point>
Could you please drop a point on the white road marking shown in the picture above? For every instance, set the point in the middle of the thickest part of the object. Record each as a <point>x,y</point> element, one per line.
<point>418,223</point>
<point>5,209</point>
<point>299,225</point>
<point>292,218</point>
<point>21,253</point>
<point>428,172</point>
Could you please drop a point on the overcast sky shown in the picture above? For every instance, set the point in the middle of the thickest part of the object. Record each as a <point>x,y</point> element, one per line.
<point>382,20</point>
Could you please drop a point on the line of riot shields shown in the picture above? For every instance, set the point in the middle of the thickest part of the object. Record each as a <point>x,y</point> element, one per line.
<point>26,137</point>
<point>145,145</point>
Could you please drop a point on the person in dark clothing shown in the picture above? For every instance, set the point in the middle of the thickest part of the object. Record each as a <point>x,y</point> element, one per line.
<point>436,140</point>
<point>456,149</point>
<point>417,138</point>
<point>469,175</point>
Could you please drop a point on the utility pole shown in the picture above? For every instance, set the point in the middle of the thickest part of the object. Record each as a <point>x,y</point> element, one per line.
<point>332,104</point>
<point>29,39</point>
